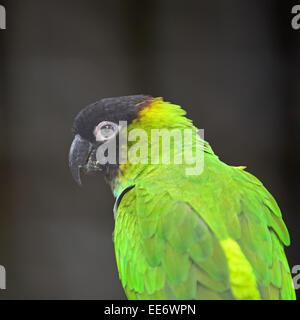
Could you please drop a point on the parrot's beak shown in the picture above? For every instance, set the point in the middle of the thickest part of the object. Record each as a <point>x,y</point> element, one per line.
<point>78,156</point>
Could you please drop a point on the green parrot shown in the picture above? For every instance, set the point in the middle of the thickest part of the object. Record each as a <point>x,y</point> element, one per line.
<point>218,234</point>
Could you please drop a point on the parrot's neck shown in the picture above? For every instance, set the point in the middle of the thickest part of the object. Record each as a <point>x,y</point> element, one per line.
<point>158,115</point>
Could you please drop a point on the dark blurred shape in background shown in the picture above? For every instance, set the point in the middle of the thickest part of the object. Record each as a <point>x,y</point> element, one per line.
<point>233,66</point>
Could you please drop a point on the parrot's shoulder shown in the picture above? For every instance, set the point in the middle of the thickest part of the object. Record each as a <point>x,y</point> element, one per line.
<point>166,251</point>
<point>171,230</point>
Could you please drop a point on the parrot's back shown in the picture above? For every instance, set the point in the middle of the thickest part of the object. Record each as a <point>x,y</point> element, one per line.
<point>218,235</point>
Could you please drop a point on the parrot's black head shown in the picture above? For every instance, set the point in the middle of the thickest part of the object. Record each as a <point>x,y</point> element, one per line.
<point>98,124</point>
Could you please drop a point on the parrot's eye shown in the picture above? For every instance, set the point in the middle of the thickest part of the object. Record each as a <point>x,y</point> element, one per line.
<point>106,130</point>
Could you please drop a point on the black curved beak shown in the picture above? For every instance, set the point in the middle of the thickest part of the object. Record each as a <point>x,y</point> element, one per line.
<point>78,156</point>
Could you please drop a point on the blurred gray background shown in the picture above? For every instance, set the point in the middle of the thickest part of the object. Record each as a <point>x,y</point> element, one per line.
<point>232,64</point>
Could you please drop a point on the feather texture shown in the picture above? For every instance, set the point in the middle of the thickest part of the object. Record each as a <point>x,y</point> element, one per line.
<point>218,235</point>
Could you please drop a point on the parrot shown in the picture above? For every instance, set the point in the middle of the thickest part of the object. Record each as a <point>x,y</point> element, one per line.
<point>216,235</point>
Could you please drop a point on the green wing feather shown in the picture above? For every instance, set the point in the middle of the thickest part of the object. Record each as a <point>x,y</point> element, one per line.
<point>169,241</point>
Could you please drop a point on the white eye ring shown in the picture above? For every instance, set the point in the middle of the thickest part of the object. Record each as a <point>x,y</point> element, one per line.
<point>106,130</point>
